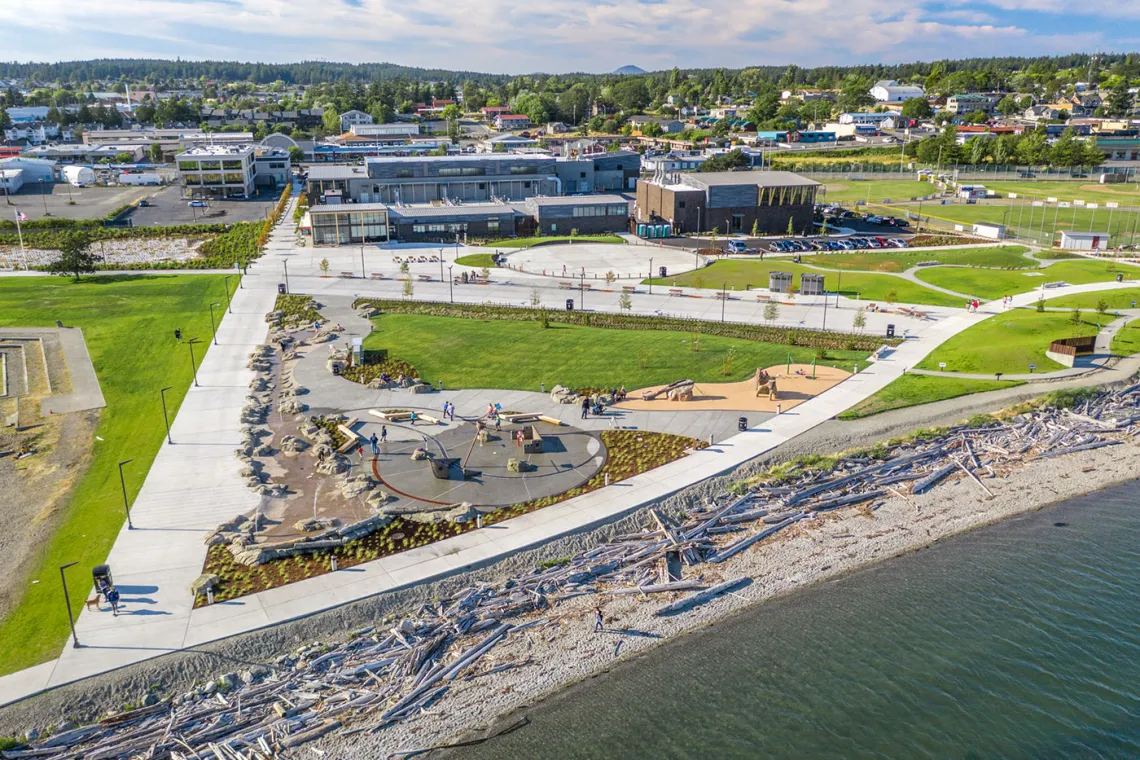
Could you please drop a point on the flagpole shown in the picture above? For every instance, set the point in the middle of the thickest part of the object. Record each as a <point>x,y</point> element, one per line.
<point>20,233</point>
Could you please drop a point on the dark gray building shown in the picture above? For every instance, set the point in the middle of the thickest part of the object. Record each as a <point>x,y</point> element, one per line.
<point>728,201</point>
<point>588,214</point>
<point>599,173</point>
<point>421,224</point>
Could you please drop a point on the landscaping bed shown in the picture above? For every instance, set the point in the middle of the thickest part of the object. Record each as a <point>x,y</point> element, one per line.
<point>629,453</point>
<point>297,308</point>
<point>529,242</point>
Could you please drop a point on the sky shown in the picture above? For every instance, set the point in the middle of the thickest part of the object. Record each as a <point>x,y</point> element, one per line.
<point>520,36</point>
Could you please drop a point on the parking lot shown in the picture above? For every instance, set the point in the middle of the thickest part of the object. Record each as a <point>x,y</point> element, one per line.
<point>168,207</point>
<point>41,201</point>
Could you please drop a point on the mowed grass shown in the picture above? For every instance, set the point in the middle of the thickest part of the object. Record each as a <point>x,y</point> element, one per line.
<point>1068,191</point>
<point>999,257</point>
<point>1037,221</point>
<point>1114,299</point>
<point>913,390</point>
<point>1127,340</point>
<point>1008,343</point>
<point>524,242</point>
<point>128,323</point>
<point>869,287</point>
<point>469,353</point>
<point>990,284</point>
<point>848,191</point>
<point>479,260</point>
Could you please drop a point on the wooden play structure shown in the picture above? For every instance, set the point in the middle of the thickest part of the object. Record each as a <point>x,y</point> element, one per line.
<point>674,391</point>
<point>765,385</point>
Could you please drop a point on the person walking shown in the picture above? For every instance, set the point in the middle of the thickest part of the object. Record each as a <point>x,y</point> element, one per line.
<point>451,411</point>
<point>412,421</point>
<point>498,422</point>
<point>112,595</point>
<point>599,621</point>
<point>383,434</point>
<point>518,438</point>
<point>360,452</point>
<point>585,406</point>
<point>375,444</point>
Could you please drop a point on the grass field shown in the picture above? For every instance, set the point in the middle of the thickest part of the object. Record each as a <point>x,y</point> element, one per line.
<point>1001,257</point>
<point>1040,222</point>
<point>1127,341</point>
<point>128,323</point>
<point>869,287</point>
<point>1008,342</point>
<point>524,242</point>
<point>1116,299</point>
<point>877,190</point>
<point>476,260</point>
<point>1069,191</point>
<point>990,284</point>
<point>469,353</point>
<point>912,390</point>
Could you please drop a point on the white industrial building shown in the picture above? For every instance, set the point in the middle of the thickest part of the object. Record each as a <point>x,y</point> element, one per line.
<point>11,180</point>
<point>399,129</point>
<point>231,171</point>
<point>34,169</point>
<point>890,91</point>
<point>1072,240</point>
<point>79,176</point>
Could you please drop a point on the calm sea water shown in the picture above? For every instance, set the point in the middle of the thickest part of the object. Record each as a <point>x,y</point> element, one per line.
<point>1016,641</point>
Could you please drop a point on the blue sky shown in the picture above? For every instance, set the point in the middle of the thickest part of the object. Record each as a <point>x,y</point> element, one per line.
<point>518,36</point>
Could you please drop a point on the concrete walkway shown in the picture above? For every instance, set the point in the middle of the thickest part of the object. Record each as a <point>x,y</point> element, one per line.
<point>194,485</point>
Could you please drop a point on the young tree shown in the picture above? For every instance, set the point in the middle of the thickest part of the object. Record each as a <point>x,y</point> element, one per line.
<point>74,257</point>
<point>860,320</point>
<point>1102,307</point>
<point>625,302</point>
<point>535,296</point>
<point>610,277</point>
<point>156,153</point>
<point>324,266</point>
<point>771,311</point>
<point>1075,317</point>
<point>756,228</point>
<point>892,296</point>
<point>791,226</point>
<point>404,268</point>
<point>1040,305</point>
<point>408,288</point>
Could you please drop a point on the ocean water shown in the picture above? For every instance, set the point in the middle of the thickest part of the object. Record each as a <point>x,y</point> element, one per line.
<point>1019,640</point>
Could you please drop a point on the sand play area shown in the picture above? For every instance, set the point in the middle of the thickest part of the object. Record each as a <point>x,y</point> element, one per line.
<point>793,389</point>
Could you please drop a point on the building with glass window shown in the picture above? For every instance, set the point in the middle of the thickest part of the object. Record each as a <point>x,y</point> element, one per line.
<point>728,201</point>
<point>431,224</point>
<point>216,171</point>
<point>588,214</point>
<point>345,224</point>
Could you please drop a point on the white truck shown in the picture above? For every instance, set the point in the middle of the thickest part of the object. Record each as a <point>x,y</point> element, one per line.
<point>139,178</point>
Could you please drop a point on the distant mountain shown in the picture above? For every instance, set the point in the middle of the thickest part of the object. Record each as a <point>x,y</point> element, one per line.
<point>630,70</point>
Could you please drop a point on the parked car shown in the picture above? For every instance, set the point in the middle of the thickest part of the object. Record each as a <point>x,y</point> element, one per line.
<point>198,204</point>
<point>873,243</point>
<point>897,242</point>
<point>881,241</point>
<point>860,243</point>
<point>736,246</point>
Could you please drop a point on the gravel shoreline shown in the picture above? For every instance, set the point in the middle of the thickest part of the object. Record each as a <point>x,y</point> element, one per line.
<point>568,652</point>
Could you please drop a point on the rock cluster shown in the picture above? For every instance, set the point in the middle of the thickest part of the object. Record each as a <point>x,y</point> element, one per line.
<point>563,395</point>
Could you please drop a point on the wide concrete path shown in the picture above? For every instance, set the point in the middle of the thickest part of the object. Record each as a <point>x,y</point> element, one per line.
<point>194,485</point>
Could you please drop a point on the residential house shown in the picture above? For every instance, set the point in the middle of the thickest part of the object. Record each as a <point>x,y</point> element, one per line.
<point>1041,113</point>
<point>968,102</point>
<point>512,121</point>
<point>36,132</point>
<point>881,120</point>
<point>490,112</point>
<point>668,126</point>
<point>558,128</point>
<point>890,91</point>
<point>348,118</point>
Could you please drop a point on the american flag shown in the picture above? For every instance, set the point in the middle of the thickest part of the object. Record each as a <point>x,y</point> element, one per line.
<point>21,216</point>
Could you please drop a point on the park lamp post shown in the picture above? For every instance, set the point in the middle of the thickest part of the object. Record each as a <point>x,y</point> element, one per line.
<point>450,285</point>
<point>193,366</point>
<point>67,600</point>
<point>362,275</point>
<point>123,484</point>
<point>213,326</point>
<point>229,302</point>
<point>650,275</point>
<point>165,416</point>
<point>723,299</point>
<point>42,196</point>
<point>582,292</point>
<point>286,265</point>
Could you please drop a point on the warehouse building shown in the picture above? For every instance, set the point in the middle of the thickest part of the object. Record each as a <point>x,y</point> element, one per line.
<point>588,214</point>
<point>729,201</point>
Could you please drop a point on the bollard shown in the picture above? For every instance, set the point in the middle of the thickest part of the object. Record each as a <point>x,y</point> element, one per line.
<point>544,387</point>
<point>209,596</point>
<point>478,521</point>
<point>333,559</point>
<point>777,410</point>
<point>710,439</point>
<point>607,478</point>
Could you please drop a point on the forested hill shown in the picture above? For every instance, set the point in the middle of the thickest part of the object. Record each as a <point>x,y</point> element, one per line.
<point>315,72</point>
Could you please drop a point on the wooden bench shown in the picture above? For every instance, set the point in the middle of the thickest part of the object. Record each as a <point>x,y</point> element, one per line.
<point>377,276</point>
<point>676,292</point>
<point>762,297</point>
<point>628,289</point>
<point>721,295</point>
<point>423,277</point>
<point>566,285</point>
<point>348,275</point>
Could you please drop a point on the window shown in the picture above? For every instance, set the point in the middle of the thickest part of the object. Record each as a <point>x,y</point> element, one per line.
<point>619,210</point>
<point>234,179</point>
<point>680,204</point>
<point>188,166</point>
<point>403,173</point>
<point>482,185</point>
<point>737,222</point>
<point>524,170</point>
<point>526,185</point>
<point>583,175</point>
<point>419,229</point>
<point>492,226</point>
<point>462,171</point>
<point>231,164</point>
<point>437,228</point>
<point>211,165</point>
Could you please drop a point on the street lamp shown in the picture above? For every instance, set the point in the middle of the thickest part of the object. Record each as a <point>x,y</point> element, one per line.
<point>582,291</point>
<point>213,327</point>
<point>67,600</point>
<point>723,299</point>
<point>123,484</point>
<point>362,256</point>
<point>193,366</point>
<point>286,265</point>
<point>42,196</point>
<point>650,275</point>
<point>226,283</point>
<point>165,417</point>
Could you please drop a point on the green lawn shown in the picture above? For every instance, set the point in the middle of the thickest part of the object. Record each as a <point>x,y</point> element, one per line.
<point>1038,222</point>
<point>1116,299</point>
<point>849,191</point>
<point>869,287</point>
<point>913,390</point>
<point>469,353</point>
<point>1127,340</point>
<point>476,260</point>
<point>523,242</point>
<point>128,323</point>
<point>1008,342</point>
<point>990,284</point>
<point>1084,190</point>
<point>1001,257</point>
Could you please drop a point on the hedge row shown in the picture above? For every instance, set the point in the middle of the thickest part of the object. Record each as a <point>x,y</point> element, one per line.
<point>788,336</point>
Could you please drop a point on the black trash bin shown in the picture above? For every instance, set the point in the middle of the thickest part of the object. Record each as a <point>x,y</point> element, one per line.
<point>102,572</point>
<point>890,331</point>
<point>569,304</point>
<point>281,288</point>
<point>1120,277</point>
<point>662,272</point>
<point>742,424</point>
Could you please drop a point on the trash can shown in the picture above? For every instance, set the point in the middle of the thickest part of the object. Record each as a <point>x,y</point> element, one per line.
<point>1120,277</point>
<point>890,331</point>
<point>742,424</point>
<point>569,304</point>
<point>281,288</point>
<point>662,272</point>
<point>101,572</point>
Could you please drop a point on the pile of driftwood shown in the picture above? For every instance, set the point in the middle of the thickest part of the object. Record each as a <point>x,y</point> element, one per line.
<point>383,675</point>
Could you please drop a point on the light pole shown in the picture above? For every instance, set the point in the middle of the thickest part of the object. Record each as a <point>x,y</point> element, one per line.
<point>723,299</point>
<point>67,600</point>
<point>362,257</point>
<point>42,196</point>
<point>123,484</point>
<point>286,265</point>
<point>650,275</point>
<point>165,417</point>
<point>441,265</point>
<point>450,285</point>
<point>582,291</point>
<point>193,366</point>
<point>229,302</point>
<point>213,326</point>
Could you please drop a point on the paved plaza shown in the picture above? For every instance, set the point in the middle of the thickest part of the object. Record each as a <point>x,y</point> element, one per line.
<point>627,262</point>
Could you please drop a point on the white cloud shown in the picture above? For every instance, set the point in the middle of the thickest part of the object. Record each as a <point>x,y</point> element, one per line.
<point>529,35</point>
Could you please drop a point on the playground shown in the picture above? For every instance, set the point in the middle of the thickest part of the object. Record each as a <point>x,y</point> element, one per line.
<point>794,384</point>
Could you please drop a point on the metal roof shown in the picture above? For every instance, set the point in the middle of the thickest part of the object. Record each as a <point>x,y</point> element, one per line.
<point>337,172</point>
<point>758,178</point>
<point>328,208</point>
<point>436,212</point>
<point>576,200</point>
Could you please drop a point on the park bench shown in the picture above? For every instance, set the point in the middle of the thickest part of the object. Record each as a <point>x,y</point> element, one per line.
<point>566,285</point>
<point>762,297</point>
<point>721,295</point>
<point>1057,284</point>
<point>423,277</point>
<point>628,289</point>
<point>347,275</point>
<point>377,275</point>
<point>676,292</point>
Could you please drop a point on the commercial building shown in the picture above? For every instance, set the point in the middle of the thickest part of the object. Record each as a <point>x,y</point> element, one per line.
<point>221,171</point>
<point>11,180</point>
<point>33,170</point>
<point>883,120</point>
<point>972,101</point>
<point>341,224</point>
<point>890,91</point>
<point>600,172</point>
<point>729,201</point>
<point>442,224</point>
<point>397,130</point>
<point>424,179</point>
<point>588,214</point>
<point>512,121</point>
<point>350,118</point>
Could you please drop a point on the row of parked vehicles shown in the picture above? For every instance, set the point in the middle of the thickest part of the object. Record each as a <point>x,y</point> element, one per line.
<point>844,244</point>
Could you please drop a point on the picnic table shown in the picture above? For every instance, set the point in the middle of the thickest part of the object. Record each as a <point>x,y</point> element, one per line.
<point>628,289</point>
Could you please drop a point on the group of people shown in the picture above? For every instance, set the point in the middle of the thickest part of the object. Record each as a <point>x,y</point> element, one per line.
<point>494,415</point>
<point>449,411</point>
<point>110,593</point>
<point>972,306</point>
<point>1006,302</point>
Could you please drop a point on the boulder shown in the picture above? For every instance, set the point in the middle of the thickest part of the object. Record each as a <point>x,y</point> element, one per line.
<point>293,406</point>
<point>420,388</point>
<point>355,485</point>
<point>323,451</point>
<point>309,430</point>
<point>274,317</point>
<point>519,465</point>
<point>203,583</point>
<point>291,446</point>
<point>333,466</point>
<point>419,455</point>
<point>563,395</point>
<point>377,498</point>
<point>460,513</point>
